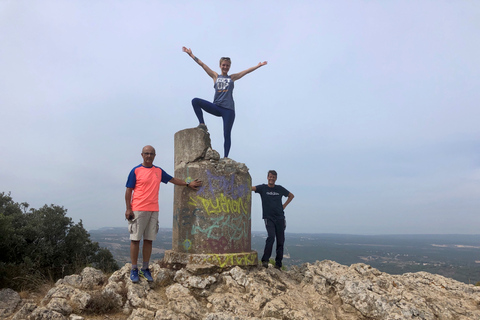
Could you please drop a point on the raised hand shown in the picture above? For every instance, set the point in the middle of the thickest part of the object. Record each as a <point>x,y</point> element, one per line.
<point>187,50</point>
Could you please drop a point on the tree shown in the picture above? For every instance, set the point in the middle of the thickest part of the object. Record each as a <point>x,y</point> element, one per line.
<point>44,244</point>
<point>10,222</point>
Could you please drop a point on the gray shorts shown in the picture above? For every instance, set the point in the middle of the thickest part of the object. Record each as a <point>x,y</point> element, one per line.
<point>145,224</point>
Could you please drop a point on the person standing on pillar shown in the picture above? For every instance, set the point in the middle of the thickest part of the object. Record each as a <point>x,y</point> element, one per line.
<point>223,104</point>
<point>274,216</point>
<point>141,198</point>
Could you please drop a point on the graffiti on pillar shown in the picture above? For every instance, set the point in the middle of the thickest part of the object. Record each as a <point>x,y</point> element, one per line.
<point>233,227</point>
<point>182,221</point>
<point>187,244</point>
<point>185,216</point>
<point>216,218</point>
<point>233,259</point>
<point>227,185</point>
<point>221,195</point>
<point>220,204</point>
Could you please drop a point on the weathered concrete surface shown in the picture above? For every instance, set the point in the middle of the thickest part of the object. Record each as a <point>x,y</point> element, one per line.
<point>211,225</point>
<point>192,145</point>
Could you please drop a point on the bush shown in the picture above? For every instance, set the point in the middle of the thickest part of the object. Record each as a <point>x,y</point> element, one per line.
<point>44,244</point>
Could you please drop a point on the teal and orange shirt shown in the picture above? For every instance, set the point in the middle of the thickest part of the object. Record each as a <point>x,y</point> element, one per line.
<point>145,183</point>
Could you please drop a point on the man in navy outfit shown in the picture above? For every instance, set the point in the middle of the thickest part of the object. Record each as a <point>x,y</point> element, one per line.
<point>274,216</point>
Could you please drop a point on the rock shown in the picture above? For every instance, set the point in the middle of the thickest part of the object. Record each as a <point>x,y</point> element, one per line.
<point>136,294</point>
<point>46,314</point>
<point>80,299</point>
<point>88,279</point>
<point>164,277</point>
<point>9,300</point>
<point>181,300</point>
<point>60,305</point>
<point>77,298</point>
<point>165,314</point>
<point>74,280</point>
<point>23,313</point>
<point>323,290</point>
<point>211,154</point>
<point>92,278</point>
<point>141,314</point>
<point>114,297</point>
<point>240,276</point>
<point>192,281</point>
<point>225,316</point>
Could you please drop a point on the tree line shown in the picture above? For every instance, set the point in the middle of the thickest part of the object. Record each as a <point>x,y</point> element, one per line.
<point>41,245</point>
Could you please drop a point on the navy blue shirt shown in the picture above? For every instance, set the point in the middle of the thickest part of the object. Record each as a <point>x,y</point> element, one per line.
<point>272,206</point>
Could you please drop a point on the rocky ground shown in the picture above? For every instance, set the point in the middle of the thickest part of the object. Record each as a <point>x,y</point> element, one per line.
<point>324,290</point>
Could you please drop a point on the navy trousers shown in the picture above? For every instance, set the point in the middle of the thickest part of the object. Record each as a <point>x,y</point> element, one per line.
<point>275,229</point>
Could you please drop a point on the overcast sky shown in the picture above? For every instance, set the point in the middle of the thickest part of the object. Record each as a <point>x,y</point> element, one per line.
<point>368,110</point>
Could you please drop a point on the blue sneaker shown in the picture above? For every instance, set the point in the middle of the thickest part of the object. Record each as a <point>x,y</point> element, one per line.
<point>146,274</point>
<point>134,275</point>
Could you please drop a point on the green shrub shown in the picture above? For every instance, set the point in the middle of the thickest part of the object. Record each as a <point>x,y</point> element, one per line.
<point>44,244</point>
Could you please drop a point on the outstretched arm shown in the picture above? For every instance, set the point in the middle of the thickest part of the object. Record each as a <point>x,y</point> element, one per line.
<point>237,76</point>
<point>290,198</point>
<point>209,71</point>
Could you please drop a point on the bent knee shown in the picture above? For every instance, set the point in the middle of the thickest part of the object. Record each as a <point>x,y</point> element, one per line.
<point>195,101</point>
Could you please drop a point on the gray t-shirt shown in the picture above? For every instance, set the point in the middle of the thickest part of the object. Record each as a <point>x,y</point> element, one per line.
<point>224,92</point>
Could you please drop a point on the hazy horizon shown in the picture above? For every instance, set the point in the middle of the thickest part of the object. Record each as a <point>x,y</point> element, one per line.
<point>327,233</point>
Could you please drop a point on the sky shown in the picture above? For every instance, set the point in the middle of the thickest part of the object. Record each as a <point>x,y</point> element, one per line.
<point>368,110</point>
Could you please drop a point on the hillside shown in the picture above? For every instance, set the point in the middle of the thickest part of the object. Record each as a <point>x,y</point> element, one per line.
<point>323,290</point>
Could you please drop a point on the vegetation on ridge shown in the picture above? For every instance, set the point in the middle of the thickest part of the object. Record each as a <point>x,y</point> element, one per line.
<point>38,245</point>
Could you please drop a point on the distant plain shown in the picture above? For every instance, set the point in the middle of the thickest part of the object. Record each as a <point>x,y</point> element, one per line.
<point>453,256</point>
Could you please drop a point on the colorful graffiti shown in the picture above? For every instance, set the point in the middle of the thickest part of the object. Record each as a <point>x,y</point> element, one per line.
<point>234,228</point>
<point>220,204</point>
<point>216,218</point>
<point>227,185</point>
<point>185,216</point>
<point>187,244</point>
<point>234,259</point>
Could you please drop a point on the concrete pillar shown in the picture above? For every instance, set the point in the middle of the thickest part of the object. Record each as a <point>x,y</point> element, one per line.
<point>211,225</point>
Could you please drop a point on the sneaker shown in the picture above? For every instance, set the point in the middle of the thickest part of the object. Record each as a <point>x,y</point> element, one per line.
<point>202,126</point>
<point>146,274</point>
<point>278,267</point>
<point>134,275</point>
<point>265,264</point>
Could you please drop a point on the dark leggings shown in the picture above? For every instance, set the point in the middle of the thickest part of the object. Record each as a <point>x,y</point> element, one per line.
<point>227,115</point>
